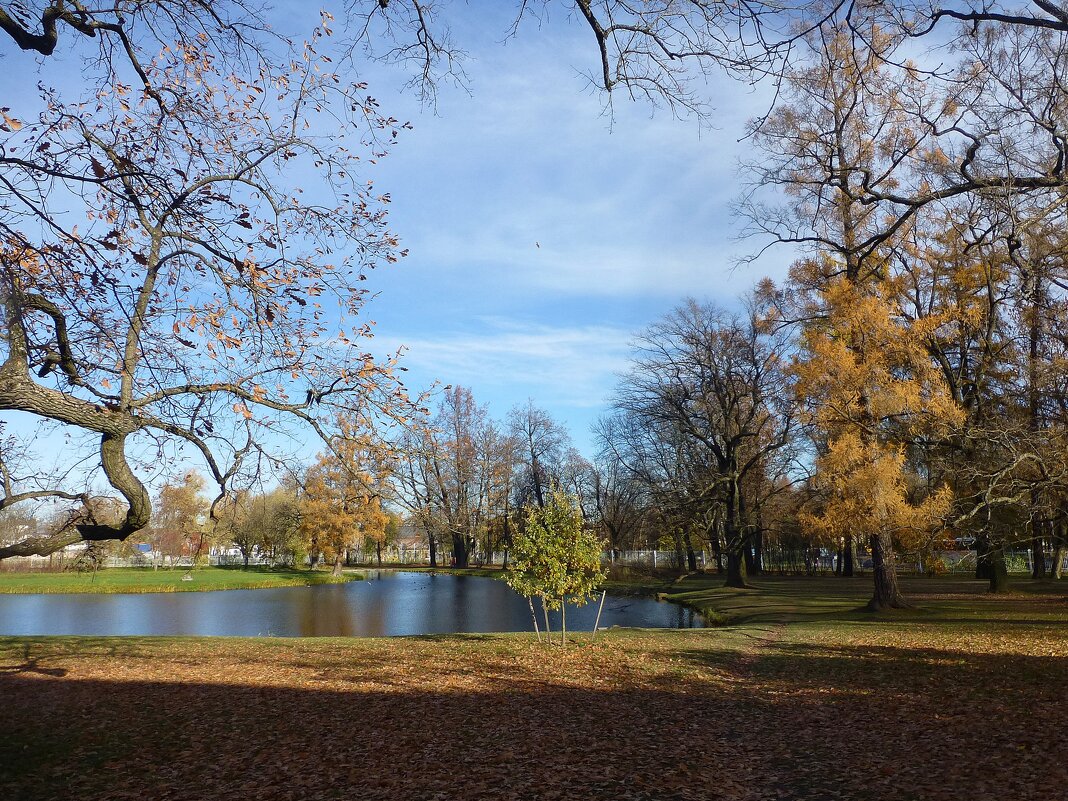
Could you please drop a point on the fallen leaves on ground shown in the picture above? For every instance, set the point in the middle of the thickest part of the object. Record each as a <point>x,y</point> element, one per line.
<point>877,710</point>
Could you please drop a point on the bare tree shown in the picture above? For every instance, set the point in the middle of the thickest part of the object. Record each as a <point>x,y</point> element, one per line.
<point>161,278</point>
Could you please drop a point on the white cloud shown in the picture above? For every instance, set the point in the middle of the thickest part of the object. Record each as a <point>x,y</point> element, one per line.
<point>571,366</point>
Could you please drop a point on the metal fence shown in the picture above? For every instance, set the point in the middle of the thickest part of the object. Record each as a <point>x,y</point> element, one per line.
<point>773,560</point>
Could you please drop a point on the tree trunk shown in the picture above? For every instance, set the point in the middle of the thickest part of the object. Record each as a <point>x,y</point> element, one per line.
<point>1058,561</point>
<point>984,564</point>
<point>548,629</point>
<point>736,570</point>
<point>432,541</point>
<point>691,556</point>
<point>847,557</point>
<point>717,549</point>
<point>999,572</point>
<point>534,617</point>
<point>1038,556</point>
<point>1059,544</point>
<point>887,595</point>
<point>758,552</point>
<point>680,551</point>
<point>246,560</point>
<point>460,555</point>
<point>337,565</point>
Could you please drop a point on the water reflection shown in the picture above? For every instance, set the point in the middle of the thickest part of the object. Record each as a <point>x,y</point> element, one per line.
<point>387,604</point>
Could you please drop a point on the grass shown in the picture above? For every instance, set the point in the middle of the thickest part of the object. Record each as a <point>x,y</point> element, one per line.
<point>789,599</point>
<point>798,696</point>
<point>139,580</point>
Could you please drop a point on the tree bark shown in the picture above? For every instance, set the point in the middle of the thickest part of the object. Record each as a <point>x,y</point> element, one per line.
<point>758,551</point>
<point>691,556</point>
<point>680,551</point>
<point>736,575</point>
<point>717,549</point>
<point>433,550</point>
<point>337,565</point>
<point>1058,561</point>
<point>847,557</point>
<point>1038,556</point>
<point>984,565</point>
<point>460,553</point>
<point>999,572</point>
<point>887,594</point>
<point>1058,549</point>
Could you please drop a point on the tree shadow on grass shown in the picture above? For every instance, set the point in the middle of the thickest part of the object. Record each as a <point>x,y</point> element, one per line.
<point>794,721</point>
<point>31,664</point>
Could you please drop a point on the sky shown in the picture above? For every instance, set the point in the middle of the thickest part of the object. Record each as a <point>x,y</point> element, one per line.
<point>543,233</point>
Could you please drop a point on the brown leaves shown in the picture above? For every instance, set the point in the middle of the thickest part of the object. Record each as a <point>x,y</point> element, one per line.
<point>10,124</point>
<point>914,710</point>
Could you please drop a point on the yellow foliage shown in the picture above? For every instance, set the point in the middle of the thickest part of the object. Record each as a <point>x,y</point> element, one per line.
<point>868,385</point>
<point>341,505</point>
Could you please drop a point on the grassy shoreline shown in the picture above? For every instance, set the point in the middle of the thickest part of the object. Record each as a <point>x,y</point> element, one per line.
<point>147,580</point>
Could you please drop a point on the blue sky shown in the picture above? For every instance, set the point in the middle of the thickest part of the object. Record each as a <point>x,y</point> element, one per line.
<point>543,233</point>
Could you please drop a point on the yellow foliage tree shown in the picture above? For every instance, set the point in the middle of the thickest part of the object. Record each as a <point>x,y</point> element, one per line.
<point>870,387</point>
<point>341,505</point>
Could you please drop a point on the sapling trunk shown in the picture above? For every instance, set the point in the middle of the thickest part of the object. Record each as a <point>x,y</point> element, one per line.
<point>597,622</point>
<point>534,617</point>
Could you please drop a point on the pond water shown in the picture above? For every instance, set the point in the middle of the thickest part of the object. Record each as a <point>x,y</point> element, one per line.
<point>386,604</point>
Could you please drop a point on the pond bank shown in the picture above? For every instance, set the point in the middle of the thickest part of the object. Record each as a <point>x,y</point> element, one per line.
<point>147,580</point>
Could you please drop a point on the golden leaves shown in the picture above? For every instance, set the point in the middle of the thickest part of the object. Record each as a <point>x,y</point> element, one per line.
<point>869,385</point>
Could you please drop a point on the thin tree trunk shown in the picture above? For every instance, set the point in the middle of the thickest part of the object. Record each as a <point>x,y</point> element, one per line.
<point>597,621</point>
<point>847,557</point>
<point>680,551</point>
<point>691,556</point>
<point>548,629</point>
<point>1058,561</point>
<point>1038,555</point>
<point>432,541</point>
<point>1058,549</point>
<point>534,617</point>
<point>717,549</point>
<point>563,623</point>
<point>758,551</point>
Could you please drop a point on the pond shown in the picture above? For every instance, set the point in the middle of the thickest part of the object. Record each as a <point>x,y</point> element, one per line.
<point>388,603</point>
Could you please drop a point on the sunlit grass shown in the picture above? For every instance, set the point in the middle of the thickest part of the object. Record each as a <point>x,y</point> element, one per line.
<point>139,580</point>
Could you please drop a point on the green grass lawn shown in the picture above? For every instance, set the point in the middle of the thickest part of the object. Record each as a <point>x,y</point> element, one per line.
<point>118,579</point>
<point>772,599</point>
